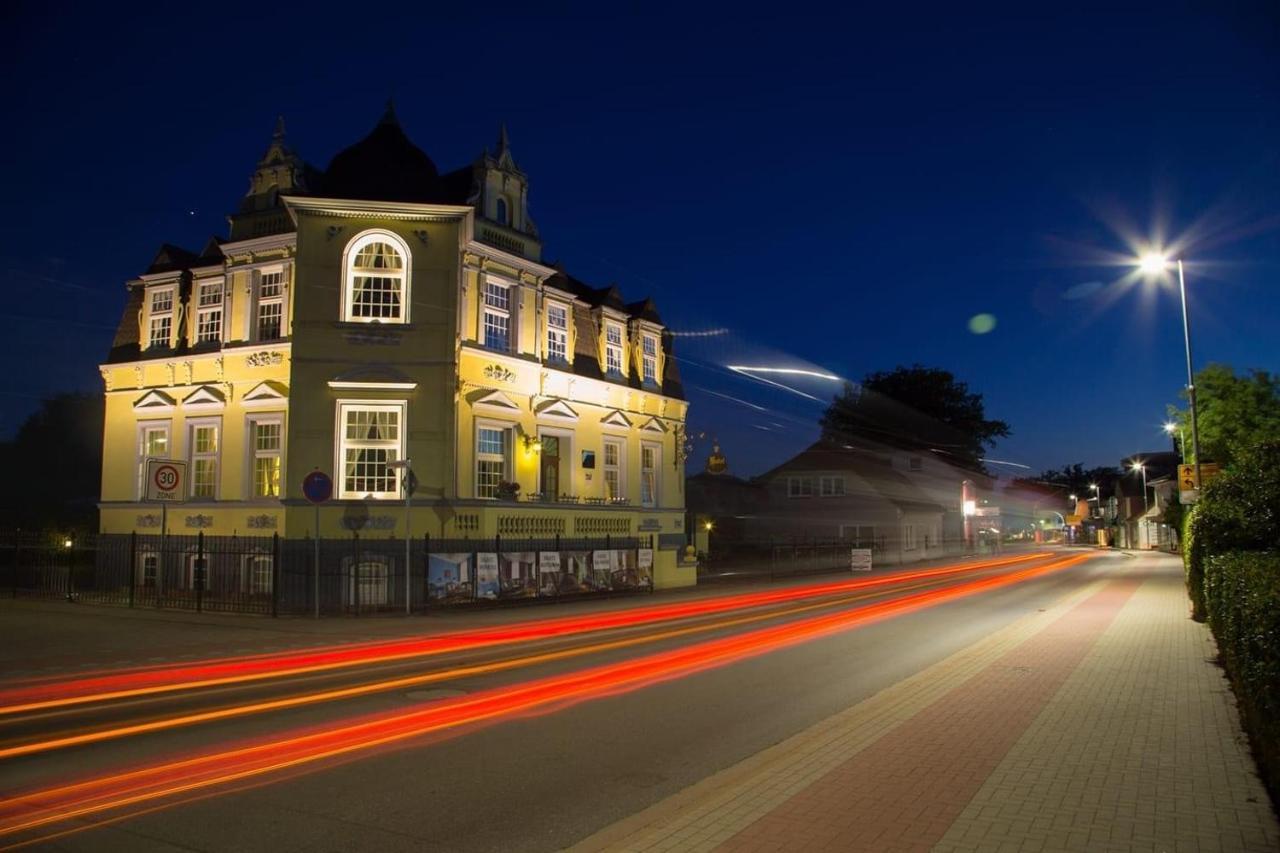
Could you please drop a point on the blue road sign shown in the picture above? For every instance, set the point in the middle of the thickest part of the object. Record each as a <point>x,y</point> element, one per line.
<point>317,487</point>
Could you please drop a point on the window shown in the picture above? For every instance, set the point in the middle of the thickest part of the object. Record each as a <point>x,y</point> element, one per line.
<point>799,487</point>
<point>266,437</point>
<point>371,435</point>
<point>497,316</point>
<point>612,348</point>
<point>161,328</point>
<point>377,279</point>
<point>557,332</point>
<point>270,306</point>
<point>209,312</point>
<point>649,457</point>
<point>614,488</point>
<point>908,537</point>
<point>204,459</point>
<point>492,446</point>
<point>831,487</point>
<point>500,212</point>
<point>148,569</point>
<point>257,575</point>
<point>649,360</point>
<point>153,443</point>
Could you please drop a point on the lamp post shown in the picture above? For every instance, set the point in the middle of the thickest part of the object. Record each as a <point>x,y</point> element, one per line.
<point>1170,428</point>
<point>1138,466</point>
<point>404,464</point>
<point>1097,496</point>
<point>1154,263</point>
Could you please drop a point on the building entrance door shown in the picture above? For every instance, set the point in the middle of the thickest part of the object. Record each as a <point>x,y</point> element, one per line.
<point>551,466</point>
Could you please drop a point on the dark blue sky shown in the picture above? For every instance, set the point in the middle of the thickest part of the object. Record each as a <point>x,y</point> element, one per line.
<point>839,191</point>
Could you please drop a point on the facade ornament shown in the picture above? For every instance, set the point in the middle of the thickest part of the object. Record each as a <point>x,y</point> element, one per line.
<point>191,371</point>
<point>149,520</point>
<point>421,234</point>
<point>218,365</point>
<point>498,373</point>
<point>173,373</point>
<point>334,230</point>
<point>372,522</point>
<point>265,358</point>
<point>263,522</point>
<point>106,377</point>
<point>137,375</point>
<point>198,521</point>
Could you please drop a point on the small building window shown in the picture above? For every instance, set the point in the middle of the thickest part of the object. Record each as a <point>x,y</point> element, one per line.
<point>270,306</point>
<point>557,332</point>
<point>493,446</point>
<point>376,267</point>
<point>209,313</point>
<point>799,487</point>
<point>153,443</point>
<point>160,330</point>
<point>613,348</point>
<point>649,360</point>
<point>614,487</point>
<point>497,316</point>
<point>649,483</point>
<point>371,436</point>
<point>831,487</point>
<point>266,439</point>
<point>500,212</point>
<point>204,450</point>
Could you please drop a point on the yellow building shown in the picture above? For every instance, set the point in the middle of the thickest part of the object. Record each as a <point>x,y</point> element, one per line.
<point>379,311</point>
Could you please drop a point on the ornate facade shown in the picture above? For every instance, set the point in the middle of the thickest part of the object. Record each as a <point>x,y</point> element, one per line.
<point>377,311</point>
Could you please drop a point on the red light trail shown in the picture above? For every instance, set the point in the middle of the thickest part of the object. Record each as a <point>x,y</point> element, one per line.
<point>158,784</point>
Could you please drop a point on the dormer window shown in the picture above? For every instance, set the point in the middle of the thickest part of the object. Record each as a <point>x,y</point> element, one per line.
<point>376,269</point>
<point>613,348</point>
<point>160,331</point>
<point>649,359</point>
<point>557,332</point>
<point>497,316</point>
<point>209,312</point>
<point>270,306</point>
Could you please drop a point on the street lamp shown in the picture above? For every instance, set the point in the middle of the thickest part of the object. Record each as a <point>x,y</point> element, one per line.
<point>1152,264</point>
<point>1170,428</point>
<point>1097,496</point>
<point>1138,466</point>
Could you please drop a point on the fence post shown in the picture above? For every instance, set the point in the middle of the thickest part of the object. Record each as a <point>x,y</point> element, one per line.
<point>133,563</point>
<point>71,570</point>
<point>275,575</point>
<point>200,571</point>
<point>426,571</point>
<point>355,569</point>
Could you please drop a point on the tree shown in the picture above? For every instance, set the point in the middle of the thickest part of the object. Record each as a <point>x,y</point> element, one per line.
<point>54,465</point>
<point>1076,479</point>
<point>915,407</point>
<point>1235,412</point>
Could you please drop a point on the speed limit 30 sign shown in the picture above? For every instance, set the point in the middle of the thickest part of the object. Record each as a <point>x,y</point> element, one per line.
<point>166,480</point>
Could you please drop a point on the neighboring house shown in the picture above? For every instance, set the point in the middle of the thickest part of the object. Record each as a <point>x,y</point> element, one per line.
<point>1132,510</point>
<point>380,310</point>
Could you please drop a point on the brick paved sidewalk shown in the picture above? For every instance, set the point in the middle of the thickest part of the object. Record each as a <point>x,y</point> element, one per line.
<point>1100,724</point>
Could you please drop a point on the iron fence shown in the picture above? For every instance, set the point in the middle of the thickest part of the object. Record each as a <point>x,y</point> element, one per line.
<point>349,575</point>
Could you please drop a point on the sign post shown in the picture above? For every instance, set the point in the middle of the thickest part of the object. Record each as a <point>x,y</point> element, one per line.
<point>166,483</point>
<point>860,559</point>
<point>317,488</point>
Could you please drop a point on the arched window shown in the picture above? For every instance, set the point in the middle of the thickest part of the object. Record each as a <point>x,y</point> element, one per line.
<point>500,211</point>
<point>376,273</point>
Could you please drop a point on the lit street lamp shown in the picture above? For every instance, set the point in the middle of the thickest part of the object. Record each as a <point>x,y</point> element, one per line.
<point>1138,466</point>
<point>1152,264</point>
<point>1170,428</point>
<point>1097,496</point>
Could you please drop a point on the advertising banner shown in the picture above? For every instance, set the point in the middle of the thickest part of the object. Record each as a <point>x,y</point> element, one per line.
<point>448,576</point>
<point>487,575</point>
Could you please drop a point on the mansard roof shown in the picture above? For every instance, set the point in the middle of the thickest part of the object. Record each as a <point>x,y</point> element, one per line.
<point>384,166</point>
<point>170,258</point>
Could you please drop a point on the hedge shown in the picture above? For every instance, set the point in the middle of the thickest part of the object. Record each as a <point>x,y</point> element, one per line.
<point>1242,595</point>
<point>1193,562</point>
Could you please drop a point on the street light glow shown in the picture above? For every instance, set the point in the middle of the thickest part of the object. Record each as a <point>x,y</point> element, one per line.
<point>1153,263</point>
<point>1170,427</point>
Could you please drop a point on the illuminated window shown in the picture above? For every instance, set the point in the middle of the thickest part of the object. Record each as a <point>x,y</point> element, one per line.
<point>209,312</point>
<point>161,326</point>
<point>799,487</point>
<point>153,443</point>
<point>650,455</point>
<point>371,436</point>
<point>270,306</point>
<point>493,444</point>
<point>614,487</point>
<point>204,446</point>
<point>266,438</point>
<point>831,487</point>
<point>557,332</point>
<point>612,348</point>
<point>649,359</point>
<point>377,279</point>
<point>497,316</point>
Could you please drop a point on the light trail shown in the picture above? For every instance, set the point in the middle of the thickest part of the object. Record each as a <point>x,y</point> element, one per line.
<point>385,685</point>
<point>165,781</point>
<point>149,681</point>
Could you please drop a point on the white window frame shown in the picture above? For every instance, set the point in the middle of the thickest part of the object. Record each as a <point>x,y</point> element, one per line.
<point>799,487</point>
<point>340,443</point>
<point>207,311</point>
<point>909,542</point>
<point>507,460</point>
<point>558,335</point>
<point>649,360</point>
<point>252,453</point>
<point>656,471</point>
<point>250,573</point>
<point>193,455</point>
<point>498,310</point>
<point>831,486</point>
<point>275,301</point>
<point>349,255</point>
<point>166,314</point>
<point>620,468</point>
<point>613,352</point>
<point>144,455</point>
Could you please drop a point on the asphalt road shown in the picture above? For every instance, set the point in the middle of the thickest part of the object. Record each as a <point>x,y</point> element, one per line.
<point>534,778</point>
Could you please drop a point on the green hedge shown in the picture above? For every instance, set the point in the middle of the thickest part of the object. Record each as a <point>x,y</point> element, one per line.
<point>1193,562</point>
<point>1242,594</point>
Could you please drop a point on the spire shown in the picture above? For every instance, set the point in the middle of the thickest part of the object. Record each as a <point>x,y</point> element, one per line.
<point>389,117</point>
<point>504,143</point>
<point>278,134</point>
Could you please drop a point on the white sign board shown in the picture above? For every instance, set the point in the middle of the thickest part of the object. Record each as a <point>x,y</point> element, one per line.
<point>860,559</point>
<point>644,558</point>
<point>166,480</point>
<point>602,561</point>
<point>1189,496</point>
<point>549,562</point>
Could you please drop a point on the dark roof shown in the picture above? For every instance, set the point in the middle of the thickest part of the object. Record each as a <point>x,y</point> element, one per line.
<point>872,474</point>
<point>170,258</point>
<point>384,166</point>
<point>211,254</point>
<point>644,310</point>
<point>125,346</point>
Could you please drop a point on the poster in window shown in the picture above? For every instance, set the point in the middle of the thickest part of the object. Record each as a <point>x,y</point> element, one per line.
<point>449,576</point>
<point>519,577</point>
<point>487,585</point>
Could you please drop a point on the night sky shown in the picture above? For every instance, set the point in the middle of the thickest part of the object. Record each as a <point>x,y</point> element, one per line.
<point>836,194</point>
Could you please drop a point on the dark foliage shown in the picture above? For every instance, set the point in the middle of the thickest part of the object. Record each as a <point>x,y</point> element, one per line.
<point>54,464</point>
